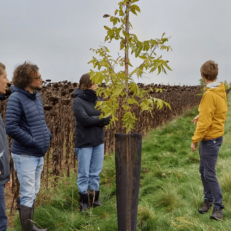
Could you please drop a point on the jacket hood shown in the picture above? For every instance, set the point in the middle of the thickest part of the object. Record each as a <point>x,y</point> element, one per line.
<point>213,85</point>
<point>77,92</point>
<point>17,89</point>
<point>218,88</point>
<point>87,94</point>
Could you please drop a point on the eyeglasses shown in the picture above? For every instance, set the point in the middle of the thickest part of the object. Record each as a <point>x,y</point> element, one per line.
<point>38,78</point>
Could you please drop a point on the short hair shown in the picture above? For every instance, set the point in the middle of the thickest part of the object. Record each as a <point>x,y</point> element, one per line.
<point>2,68</point>
<point>209,70</point>
<point>85,82</point>
<point>23,74</point>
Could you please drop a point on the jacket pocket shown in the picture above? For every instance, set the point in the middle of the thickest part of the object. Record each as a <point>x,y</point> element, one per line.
<point>28,131</point>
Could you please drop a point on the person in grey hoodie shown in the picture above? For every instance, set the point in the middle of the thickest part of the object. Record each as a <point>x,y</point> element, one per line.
<point>4,153</point>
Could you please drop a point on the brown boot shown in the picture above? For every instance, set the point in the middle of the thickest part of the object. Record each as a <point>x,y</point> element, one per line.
<point>217,213</point>
<point>205,207</point>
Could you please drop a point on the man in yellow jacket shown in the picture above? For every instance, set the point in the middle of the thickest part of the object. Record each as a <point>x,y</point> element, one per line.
<point>209,132</point>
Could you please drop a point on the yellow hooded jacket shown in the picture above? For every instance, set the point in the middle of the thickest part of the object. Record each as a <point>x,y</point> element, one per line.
<point>212,114</point>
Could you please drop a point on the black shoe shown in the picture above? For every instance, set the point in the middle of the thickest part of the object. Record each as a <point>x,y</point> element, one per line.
<point>83,202</point>
<point>18,206</point>
<point>94,198</point>
<point>217,213</point>
<point>205,207</point>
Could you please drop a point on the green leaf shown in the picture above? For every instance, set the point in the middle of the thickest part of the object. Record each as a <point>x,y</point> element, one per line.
<point>146,45</point>
<point>107,28</point>
<point>117,91</point>
<point>129,63</point>
<point>138,50</point>
<point>143,57</point>
<point>134,8</point>
<point>126,107</point>
<point>125,34</point>
<point>132,101</point>
<point>166,65</point>
<point>115,20</point>
<point>156,65</point>
<point>160,103</point>
<point>146,61</point>
<point>159,69</point>
<point>121,12</point>
<point>168,105</point>
<point>129,120</point>
<point>139,72</point>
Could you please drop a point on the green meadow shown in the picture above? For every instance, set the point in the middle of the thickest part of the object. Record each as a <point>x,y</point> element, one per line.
<point>170,187</point>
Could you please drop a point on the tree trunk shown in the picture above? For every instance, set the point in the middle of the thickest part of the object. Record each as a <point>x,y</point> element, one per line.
<point>126,45</point>
<point>128,164</point>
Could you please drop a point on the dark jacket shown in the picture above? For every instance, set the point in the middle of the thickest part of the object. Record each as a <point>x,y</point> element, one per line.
<point>89,128</point>
<point>4,153</point>
<point>25,123</point>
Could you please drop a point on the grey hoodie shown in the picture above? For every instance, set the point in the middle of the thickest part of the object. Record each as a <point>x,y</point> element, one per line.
<point>4,153</point>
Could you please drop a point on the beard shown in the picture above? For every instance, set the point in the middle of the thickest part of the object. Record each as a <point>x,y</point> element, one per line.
<point>36,88</point>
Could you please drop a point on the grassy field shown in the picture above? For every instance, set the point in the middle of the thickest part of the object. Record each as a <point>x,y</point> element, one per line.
<point>170,187</point>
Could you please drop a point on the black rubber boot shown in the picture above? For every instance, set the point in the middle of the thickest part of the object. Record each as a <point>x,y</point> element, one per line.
<point>83,202</point>
<point>206,206</point>
<point>34,228</point>
<point>217,213</point>
<point>94,198</point>
<point>26,218</point>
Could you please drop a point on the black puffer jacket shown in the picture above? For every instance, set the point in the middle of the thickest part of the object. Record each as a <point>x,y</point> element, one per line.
<point>4,153</point>
<point>89,128</point>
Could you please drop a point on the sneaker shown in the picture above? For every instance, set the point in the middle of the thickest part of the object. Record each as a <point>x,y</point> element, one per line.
<point>205,207</point>
<point>217,213</point>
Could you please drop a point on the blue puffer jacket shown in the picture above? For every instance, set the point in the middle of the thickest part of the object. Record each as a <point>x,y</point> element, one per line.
<point>25,123</point>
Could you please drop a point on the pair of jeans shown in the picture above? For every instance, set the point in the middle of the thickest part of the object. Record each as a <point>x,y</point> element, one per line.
<point>3,218</point>
<point>29,169</point>
<point>90,164</point>
<point>209,150</point>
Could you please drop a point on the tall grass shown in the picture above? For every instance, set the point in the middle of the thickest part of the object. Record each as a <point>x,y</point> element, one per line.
<point>170,188</point>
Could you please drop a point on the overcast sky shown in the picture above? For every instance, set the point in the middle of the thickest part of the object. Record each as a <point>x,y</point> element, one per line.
<point>57,35</point>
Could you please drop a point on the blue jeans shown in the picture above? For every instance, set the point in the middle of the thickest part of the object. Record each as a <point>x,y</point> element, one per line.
<point>3,218</point>
<point>29,169</point>
<point>90,164</point>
